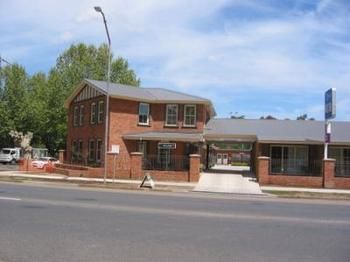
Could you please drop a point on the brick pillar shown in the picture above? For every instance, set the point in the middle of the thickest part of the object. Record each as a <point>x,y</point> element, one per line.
<point>328,173</point>
<point>61,155</point>
<point>136,165</point>
<point>263,170</point>
<point>195,163</point>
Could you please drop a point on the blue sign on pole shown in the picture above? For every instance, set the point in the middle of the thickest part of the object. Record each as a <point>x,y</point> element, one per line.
<point>330,104</point>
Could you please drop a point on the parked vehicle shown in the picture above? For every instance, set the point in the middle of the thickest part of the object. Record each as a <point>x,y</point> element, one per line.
<point>42,162</point>
<point>10,155</point>
<point>39,152</point>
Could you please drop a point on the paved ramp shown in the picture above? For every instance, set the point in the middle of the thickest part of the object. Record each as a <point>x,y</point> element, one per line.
<point>227,183</point>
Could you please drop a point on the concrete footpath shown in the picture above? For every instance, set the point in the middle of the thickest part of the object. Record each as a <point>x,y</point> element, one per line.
<point>170,186</point>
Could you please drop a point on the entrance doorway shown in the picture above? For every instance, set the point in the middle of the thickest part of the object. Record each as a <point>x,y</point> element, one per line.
<point>219,158</point>
<point>229,155</point>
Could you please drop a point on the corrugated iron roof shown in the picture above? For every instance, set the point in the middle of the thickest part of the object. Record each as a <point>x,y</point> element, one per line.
<point>305,131</point>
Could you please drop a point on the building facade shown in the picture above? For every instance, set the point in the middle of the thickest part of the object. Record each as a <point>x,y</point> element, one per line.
<point>161,129</point>
<point>165,126</point>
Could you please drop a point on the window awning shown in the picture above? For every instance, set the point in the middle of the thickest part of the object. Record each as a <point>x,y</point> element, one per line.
<point>165,136</point>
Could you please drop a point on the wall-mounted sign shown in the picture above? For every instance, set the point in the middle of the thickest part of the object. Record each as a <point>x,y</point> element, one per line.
<point>329,110</point>
<point>115,149</point>
<point>167,145</point>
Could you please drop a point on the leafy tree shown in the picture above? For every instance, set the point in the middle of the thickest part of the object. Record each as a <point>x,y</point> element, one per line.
<point>304,117</point>
<point>13,102</point>
<point>35,104</point>
<point>268,117</point>
<point>238,117</point>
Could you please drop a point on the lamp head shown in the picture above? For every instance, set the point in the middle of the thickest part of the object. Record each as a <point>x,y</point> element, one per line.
<point>98,9</point>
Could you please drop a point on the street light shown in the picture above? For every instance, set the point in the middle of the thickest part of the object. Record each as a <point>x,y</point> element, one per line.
<point>99,10</point>
<point>5,61</point>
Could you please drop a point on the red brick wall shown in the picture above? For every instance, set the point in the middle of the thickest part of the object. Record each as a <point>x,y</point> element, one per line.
<point>178,176</point>
<point>342,182</point>
<point>85,132</point>
<point>300,181</point>
<point>195,162</point>
<point>328,173</point>
<point>263,168</point>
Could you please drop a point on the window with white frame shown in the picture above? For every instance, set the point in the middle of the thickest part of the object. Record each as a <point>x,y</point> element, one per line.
<point>75,116</point>
<point>91,149</point>
<point>101,109</point>
<point>81,115</point>
<point>99,150</point>
<point>171,115</point>
<point>93,113</point>
<point>190,115</point>
<point>143,114</point>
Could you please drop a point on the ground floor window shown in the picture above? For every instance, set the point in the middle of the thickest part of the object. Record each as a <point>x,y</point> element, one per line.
<point>77,150</point>
<point>289,159</point>
<point>99,150</point>
<point>91,150</point>
<point>342,158</point>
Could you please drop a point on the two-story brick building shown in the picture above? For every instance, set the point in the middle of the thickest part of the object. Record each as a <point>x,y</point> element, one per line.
<point>166,126</point>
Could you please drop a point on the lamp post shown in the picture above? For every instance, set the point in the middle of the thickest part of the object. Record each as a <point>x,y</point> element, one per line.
<point>5,61</point>
<point>99,10</point>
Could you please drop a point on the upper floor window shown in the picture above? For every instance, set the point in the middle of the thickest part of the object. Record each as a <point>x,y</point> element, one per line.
<point>81,115</point>
<point>171,115</point>
<point>143,114</point>
<point>101,109</point>
<point>190,115</point>
<point>93,113</point>
<point>75,116</point>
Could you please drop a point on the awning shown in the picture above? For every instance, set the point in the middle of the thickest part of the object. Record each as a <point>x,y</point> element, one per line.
<point>165,136</point>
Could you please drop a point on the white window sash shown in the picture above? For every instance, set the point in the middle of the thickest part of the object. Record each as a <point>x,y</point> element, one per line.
<point>167,115</point>
<point>144,105</point>
<point>194,116</point>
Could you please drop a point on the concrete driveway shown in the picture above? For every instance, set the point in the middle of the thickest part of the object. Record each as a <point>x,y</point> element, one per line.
<point>230,181</point>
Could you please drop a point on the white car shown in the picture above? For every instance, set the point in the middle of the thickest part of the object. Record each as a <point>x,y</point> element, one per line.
<point>43,161</point>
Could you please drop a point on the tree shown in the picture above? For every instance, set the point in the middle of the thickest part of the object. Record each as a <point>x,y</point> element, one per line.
<point>36,103</point>
<point>13,102</point>
<point>268,117</point>
<point>304,117</point>
<point>73,65</point>
<point>238,117</point>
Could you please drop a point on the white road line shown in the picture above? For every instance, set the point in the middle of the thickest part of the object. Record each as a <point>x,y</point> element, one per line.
<point>10,198</point>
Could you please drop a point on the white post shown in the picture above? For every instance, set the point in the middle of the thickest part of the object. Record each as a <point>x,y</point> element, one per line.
<point>327,138</point>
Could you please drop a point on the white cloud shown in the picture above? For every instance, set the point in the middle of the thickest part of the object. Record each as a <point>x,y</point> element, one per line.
<point>199,47</point>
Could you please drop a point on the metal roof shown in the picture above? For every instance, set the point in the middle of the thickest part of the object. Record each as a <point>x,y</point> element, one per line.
<point>165,136</point>
<point>293,131</point>
<point>151,95</point>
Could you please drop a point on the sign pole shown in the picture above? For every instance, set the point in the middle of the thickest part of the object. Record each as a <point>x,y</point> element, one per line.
<point>327,138</point>
<point>329,113</point>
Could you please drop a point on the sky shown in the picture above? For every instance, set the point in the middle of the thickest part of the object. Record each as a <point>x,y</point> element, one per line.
<point>249,57</point>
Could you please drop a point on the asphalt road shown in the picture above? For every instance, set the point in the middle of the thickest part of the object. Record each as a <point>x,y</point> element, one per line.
<point>43,224</point>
